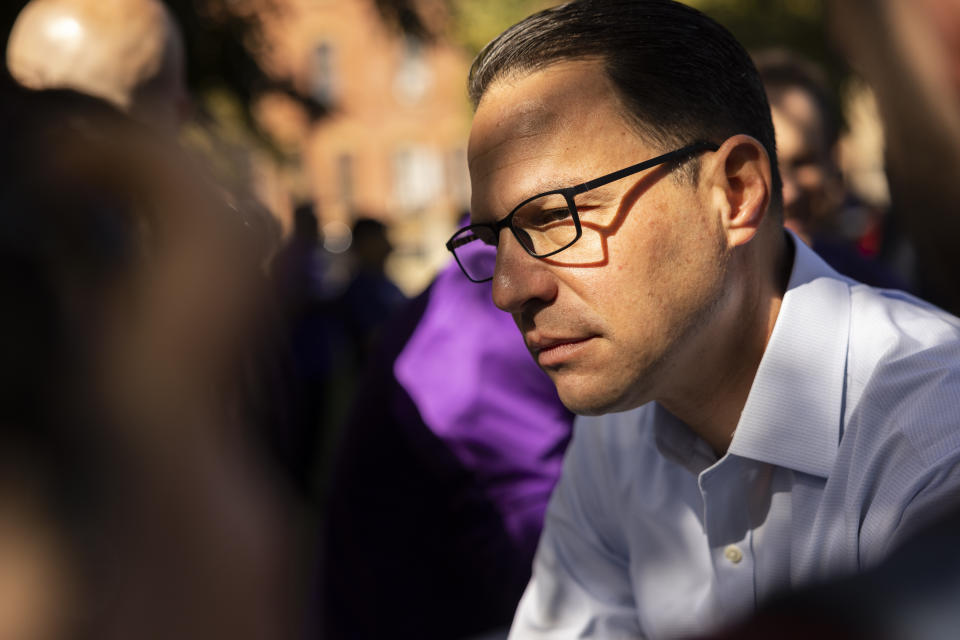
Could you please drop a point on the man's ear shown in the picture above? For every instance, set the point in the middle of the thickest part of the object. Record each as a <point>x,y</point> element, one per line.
<point>741,184</point>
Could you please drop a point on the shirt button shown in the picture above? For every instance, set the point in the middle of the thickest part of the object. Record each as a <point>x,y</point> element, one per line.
<point>732,553</point>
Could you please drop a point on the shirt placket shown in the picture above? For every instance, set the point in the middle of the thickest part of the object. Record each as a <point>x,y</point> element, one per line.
<point>726,522</point>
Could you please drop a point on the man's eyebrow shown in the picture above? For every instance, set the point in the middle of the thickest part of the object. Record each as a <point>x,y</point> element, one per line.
<point>554,183</point>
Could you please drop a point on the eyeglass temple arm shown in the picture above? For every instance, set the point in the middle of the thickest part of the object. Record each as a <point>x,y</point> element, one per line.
<point>646,164</point>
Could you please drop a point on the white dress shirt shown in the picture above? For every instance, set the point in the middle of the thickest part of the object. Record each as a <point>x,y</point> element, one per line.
<point>849,439</point>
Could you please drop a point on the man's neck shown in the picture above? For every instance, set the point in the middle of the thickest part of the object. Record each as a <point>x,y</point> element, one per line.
<point>711,393</point>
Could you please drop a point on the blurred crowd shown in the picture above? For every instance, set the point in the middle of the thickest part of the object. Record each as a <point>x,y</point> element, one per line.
<point>180,379</point>
<point>210,430</point>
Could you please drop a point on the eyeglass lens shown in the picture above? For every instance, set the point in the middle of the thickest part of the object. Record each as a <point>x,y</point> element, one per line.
<point>544,226</point>
<point>476,251</point>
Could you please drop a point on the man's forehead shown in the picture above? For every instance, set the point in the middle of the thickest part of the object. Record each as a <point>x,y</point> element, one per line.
<point>500,122</point>
<point>536,111</point>
<point>540,102</point>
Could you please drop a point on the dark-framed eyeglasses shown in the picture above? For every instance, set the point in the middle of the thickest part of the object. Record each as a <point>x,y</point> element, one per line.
<point>551,222</point>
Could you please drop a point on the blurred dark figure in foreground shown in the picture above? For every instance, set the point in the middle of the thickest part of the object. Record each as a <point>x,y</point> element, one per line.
<point>442,480</point>
<point>371,297</point>
<point>135,502</point>
<point>127,52</point>
<point>130,53</point>
<point>807,130</point>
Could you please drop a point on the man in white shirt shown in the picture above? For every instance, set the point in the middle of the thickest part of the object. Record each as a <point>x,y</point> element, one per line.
<point>757,420</point>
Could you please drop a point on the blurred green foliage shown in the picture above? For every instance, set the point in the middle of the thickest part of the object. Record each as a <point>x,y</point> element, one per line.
<point>477,22</point>
<point>796,25</point>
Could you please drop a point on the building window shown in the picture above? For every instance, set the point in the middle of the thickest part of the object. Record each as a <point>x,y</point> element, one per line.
<point>322,78</point>
<point>417,178</point>
<point>345,180</point>
<point>413,76</point>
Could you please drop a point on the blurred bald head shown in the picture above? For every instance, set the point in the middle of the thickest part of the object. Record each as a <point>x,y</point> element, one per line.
<point>128,52</point>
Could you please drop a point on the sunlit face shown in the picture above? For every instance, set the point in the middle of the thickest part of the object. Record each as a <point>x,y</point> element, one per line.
<point>811,184</point>
<point>610,334</point>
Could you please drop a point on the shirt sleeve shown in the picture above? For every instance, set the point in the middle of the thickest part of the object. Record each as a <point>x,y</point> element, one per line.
<point>913,477</point>
<point>581,584</point>
<point>937,494</point>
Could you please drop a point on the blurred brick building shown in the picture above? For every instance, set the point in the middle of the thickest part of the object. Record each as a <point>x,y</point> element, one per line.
<point>393,145</point>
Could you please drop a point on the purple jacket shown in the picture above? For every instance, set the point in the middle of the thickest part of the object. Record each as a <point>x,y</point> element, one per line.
<point>444,473</point>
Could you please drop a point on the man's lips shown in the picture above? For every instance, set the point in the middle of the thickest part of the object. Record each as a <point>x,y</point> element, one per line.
<point>554,351</point>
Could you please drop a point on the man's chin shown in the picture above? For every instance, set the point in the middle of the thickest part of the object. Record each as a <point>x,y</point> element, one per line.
<point>592,402</point>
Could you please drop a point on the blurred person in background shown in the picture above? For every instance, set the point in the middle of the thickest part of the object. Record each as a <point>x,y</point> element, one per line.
<point>443,474</point>
<point>136,500</point>
<point>371,296</point>
<point>806,122</point>
<point>309,287</point>
<point>127,52</point>
<point>348,309</point>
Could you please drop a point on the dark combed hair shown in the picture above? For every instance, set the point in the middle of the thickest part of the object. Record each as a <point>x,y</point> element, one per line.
<point>681,76</point>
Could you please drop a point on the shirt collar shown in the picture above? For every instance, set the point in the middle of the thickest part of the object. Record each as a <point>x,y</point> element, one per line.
<point>793,414</point>
<point>678,443</point>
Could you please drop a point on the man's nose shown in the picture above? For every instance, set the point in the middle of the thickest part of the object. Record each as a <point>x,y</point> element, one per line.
<point>519,278</point>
